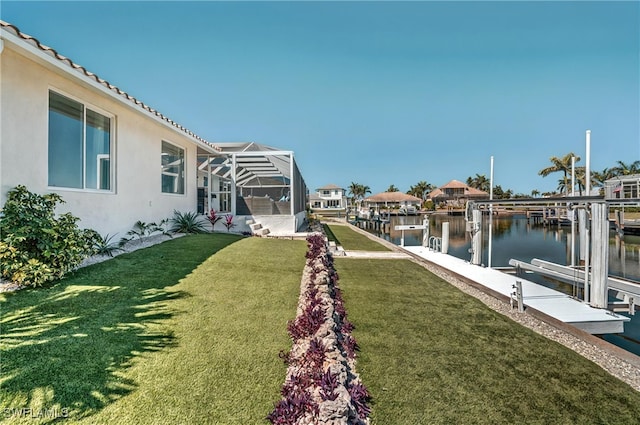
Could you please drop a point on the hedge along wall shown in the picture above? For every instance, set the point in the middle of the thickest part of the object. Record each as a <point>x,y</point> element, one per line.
<point>322,386</point>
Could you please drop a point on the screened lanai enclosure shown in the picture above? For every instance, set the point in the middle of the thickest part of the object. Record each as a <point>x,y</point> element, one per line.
<point>253,182</point>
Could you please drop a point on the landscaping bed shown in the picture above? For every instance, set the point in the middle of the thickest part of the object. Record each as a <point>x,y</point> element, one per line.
<point>322,386</point>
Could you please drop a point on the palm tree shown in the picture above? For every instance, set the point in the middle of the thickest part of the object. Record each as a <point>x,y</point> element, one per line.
<point>479,182</point>
<point>599,177</point>
<point>421,189</point>
<point>560,165</point>
<point>354,190</point>
<point>358,191</point>
<point>392,188</point>
<point>534,193</point>
<point>623,169</point>
<point>563,187</point>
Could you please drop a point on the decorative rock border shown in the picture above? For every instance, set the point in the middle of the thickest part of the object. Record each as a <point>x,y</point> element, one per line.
<point>322,386</point>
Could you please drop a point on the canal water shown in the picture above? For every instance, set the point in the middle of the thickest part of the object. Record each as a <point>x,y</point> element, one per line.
<point>514,237</point>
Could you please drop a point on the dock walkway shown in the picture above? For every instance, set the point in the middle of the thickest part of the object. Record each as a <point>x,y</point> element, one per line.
<point>546,300</point>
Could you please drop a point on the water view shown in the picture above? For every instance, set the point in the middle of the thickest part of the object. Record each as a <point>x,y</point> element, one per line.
<point>514,237</point>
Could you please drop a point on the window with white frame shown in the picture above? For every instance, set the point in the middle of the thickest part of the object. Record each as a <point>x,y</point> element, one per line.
<point>172,168</point>
<point>80,145</point>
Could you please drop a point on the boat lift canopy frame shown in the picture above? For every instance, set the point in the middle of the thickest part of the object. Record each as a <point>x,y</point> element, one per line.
<point>593,219</point>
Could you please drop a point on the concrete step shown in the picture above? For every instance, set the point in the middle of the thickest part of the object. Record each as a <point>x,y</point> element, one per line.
<point>255,226</point>
<point>249,221</point>
<point>262,232</point>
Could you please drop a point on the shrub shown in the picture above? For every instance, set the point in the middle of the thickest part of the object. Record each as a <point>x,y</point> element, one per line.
<point>104,245</point>
<point>188,222</point>
<point>36,246</point>
<point>213,218</point>
<point>228,222</point>
<point>142,229</point>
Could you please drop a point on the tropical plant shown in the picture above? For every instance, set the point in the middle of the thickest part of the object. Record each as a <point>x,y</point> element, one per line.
<point>36,246</point>
<point>623,169</point>
<point>186,222</point>
<point>311,385</point>
<point>104,245</point>
<point>535,193</point>
<point>213,218</point>
<point>479,182</point>
<point>421,189</point>
<point>562,165</point>
<point>228,222</point>
<point>500,193</point>
<point>599,177</point>
<point>141,229</point>
<point>392,188</point>
<point>358,192</point>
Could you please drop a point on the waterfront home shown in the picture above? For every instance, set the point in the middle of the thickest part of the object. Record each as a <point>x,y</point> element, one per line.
<point>328,200</point>
<point>622,187</point>
<point>395,202</point>
<point>116,160</point>
<point>455,194</point>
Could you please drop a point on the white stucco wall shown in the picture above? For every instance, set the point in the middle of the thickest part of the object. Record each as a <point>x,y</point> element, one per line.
<point>137,195</point>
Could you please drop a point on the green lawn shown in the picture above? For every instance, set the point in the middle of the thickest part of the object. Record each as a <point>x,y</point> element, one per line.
<point>433,355</point>
<point>189,331</point>
<point>349,239</point>
<point>166,335</point>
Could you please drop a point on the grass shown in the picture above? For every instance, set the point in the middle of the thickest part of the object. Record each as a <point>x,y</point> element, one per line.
<point>188,332</point>
<point>184,332</point>
<point>433,355</point>
<point>352,240</point>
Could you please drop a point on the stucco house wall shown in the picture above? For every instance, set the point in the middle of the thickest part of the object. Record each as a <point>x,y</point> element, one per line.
<point>136,194</point>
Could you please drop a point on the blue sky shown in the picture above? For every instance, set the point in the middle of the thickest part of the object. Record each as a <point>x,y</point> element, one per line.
<point>376,93</point>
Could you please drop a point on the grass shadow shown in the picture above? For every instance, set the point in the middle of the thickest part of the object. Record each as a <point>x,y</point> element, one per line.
<point>63,349</point>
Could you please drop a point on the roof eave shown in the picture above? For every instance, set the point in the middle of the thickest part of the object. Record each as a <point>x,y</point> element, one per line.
<point>53,60</point>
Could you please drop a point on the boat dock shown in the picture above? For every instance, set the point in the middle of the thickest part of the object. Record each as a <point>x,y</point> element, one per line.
<point>550,302</point>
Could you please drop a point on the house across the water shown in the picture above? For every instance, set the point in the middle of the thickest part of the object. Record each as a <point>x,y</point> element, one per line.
<point>455,194</point>
<point>115,160</point>
<point>329,200</point>
<point>392,203</point>
<point>622,187</point>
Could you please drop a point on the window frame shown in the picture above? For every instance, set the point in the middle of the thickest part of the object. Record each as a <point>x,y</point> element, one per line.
<point>184,168</point>
<point>112,143</point>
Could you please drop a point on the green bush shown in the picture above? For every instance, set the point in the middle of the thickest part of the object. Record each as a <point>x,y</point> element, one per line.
<point>141,230</point>
<point>187,222</point>
<point>104,245</point>
<point>35,245</point>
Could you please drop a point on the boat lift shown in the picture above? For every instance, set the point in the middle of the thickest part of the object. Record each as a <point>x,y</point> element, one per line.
<point>593,222</point>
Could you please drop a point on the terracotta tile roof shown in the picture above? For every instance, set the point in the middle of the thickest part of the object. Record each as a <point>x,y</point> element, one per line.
<point>392,197</point>
<point>455,184</point>
<point>84,73</point>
